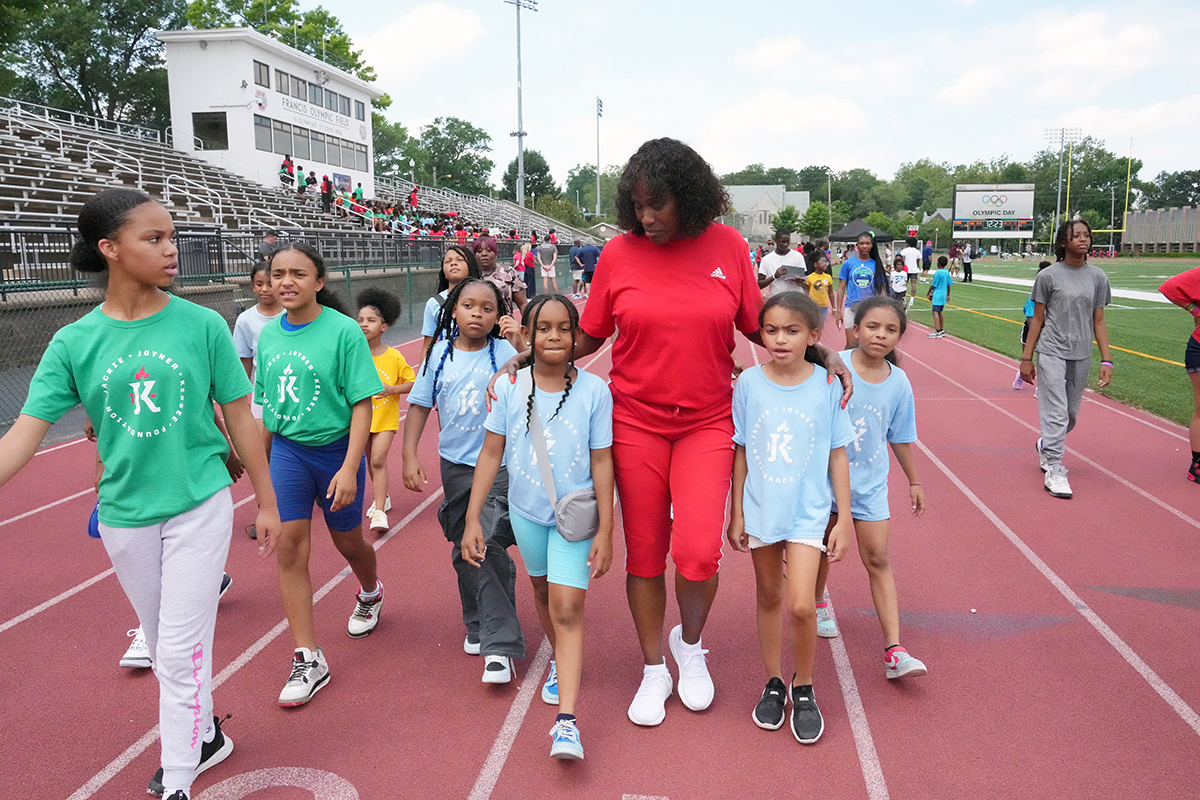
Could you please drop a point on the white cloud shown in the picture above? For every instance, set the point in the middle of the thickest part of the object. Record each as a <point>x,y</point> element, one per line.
<point>425,39</point>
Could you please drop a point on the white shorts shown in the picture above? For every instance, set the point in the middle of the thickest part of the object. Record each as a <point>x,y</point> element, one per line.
<point>547,272</point>
<point>847,317</point>
<point>576,274</point>
<point>756,542</point>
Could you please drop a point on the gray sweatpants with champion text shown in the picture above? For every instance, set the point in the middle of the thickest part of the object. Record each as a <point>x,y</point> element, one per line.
<point>489,591</point>
<point>1060,385</point>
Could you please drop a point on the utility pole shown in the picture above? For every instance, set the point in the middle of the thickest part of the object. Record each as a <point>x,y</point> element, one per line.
<point>599,114</point>
<point>1063,136</point>
<point>528,5</point>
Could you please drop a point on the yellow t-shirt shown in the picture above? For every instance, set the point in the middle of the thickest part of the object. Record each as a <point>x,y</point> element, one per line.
<point>819,284</point>
<point>393,370</point>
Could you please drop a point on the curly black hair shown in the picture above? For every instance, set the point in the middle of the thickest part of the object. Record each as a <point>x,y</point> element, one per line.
<point>668,169</point>
<point>386,303</point>
<point>532,312</point>
<point>1064,235</point>
<point>446,326</point>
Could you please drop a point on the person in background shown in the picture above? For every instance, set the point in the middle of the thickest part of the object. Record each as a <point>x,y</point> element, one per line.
<point>781,269</point>
<point>576,269</point>
<point>589,255</point>
<point>287,172</point>
<point>269,245</point>
<point>912,266</point>
<point>966,264</point>
<point>926,259</point>
<point>547,256</point>
<point>326,194</point>
<point>939,296</point>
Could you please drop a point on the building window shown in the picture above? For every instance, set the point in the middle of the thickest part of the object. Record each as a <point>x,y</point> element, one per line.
<point>300,142</point>
<point>360,157</point>
<point>299,88</point>
<point>281,82</point>
<point>347,154</point>
<point>211,129</point>
<point>262,133</point>
<point>330,100</point>
<point>315,94</point>
<point>318,147</point>
<point>333,154</point>
<point>282,137</point>
<point>262,74</point>
<point>344,105</point>
<point>360,110</point>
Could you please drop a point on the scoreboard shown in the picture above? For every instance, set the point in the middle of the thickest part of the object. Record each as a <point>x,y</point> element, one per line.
<point>993,211</point>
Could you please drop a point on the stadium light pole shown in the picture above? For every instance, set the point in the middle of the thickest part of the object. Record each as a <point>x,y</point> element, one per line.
<point>829,197</point>
<point>1062,136</point>
<point>528,5</point>
<point>599,114</point>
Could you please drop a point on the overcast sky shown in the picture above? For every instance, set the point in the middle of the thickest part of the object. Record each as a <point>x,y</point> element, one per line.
<point>793,83</point>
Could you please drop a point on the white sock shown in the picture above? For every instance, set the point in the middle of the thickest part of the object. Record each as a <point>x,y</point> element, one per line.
<point>370,595</point>
<point>655,669</point>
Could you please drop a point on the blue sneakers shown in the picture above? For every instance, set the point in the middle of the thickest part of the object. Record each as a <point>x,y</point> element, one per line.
<point>550,687</point>
<point>565,734</point>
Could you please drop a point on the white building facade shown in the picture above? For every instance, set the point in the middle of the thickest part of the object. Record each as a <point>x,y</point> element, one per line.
<point>242,101</point>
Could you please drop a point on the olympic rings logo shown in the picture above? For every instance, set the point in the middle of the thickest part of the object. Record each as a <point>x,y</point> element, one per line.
<point>996,200</point>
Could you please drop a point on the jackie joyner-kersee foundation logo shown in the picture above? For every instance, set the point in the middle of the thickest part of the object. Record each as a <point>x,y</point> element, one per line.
<point>291,386</point>
<point>144,392</point>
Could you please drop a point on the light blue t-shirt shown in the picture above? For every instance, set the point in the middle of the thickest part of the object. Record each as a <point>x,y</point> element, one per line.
<point>859,276</point>
<point>940,283</point>
<point>879,413</point>
<point>788,432</point>
<point>583,424</point>
<point>461,387</point>
<point>433,307</point>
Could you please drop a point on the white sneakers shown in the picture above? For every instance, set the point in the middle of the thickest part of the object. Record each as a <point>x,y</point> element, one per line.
<point>1056,482</point>
<point>366,613</point>
<point>310,671</point>
<point>695,685</point>
<point>138,654</point>
<point>497,669</point>
<point>649,704</point>
<point>379,520</point>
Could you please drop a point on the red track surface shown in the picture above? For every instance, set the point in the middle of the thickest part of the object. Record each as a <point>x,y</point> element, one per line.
<point>1054,688</point>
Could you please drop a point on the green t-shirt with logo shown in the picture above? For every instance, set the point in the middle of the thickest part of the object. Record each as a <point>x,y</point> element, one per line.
<point>309,380</point>
<point>148,387</point>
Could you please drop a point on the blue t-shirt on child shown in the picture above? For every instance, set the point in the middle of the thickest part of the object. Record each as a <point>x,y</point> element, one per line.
<point>879,413</point>
<point>433,307</point>
<point>788,432</point>
<point>583,424</point>
<point>859,276</point>
<point>940,283</point>
<point>461,390</point>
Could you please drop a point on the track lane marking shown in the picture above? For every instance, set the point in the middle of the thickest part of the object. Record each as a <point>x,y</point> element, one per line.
<point>1177,703</point>
<point>864,743</point>
<point>119,763</point>
<point>51,504</point>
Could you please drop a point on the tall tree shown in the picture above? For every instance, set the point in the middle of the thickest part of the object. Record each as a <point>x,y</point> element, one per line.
<point>393,148</point>
<point>787,219</point>
<point>582,177</point>
<point>455,151</point>
<point>852,185</point>
<point>14,17</point>
<point>815,222</point>
<point>539,182</point>
<point>97,57</point>
<point>1173,189</point>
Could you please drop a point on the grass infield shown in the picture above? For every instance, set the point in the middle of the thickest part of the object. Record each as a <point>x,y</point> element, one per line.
<point>1147,338</point>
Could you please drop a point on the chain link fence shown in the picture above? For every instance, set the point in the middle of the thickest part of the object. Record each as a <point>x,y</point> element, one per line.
<point>40,293</point>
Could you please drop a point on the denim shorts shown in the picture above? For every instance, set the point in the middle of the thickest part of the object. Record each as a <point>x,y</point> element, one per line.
<point>301,475</point>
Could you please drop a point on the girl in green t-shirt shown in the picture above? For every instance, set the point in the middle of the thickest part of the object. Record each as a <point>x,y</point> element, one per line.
<point>165,513</point>
<point>315,379</point>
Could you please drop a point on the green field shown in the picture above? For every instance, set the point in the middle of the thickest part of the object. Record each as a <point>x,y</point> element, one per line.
<point>1147,338</point>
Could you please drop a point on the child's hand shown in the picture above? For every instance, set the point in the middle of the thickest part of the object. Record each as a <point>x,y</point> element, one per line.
<point>736,534</point>
<point>342,489</point>
<point>600,559</point>
<point>1105,375</point>
<point>837,318</point>
<point>838,538</point>
<point>269,528</point>
<point>916,495</point>
<point>414,475</point>
<point>234,465</point>
<point>1028,373</point>
<point>473,548</point>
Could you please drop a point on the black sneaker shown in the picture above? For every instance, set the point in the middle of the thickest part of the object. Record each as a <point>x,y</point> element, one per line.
<point>807,722</point>
<point>768,714</point>
<point>211,754</point>
<point>226,582</point>
<point>252,531</point>
<point>1194,472</point>
<point>180,794</point>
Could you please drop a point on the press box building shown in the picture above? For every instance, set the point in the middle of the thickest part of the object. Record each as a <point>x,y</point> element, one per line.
<point>242,100</point>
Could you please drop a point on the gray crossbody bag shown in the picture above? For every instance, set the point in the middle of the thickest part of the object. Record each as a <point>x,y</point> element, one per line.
<point>577,514</point>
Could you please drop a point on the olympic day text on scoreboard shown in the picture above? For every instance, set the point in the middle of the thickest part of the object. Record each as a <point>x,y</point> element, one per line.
<point>993,210</point>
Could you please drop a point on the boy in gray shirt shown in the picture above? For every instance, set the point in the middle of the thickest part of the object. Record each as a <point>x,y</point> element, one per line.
<point>1069,299</point>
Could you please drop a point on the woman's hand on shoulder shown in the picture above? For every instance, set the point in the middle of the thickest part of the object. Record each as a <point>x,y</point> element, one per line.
<point>837,368</point>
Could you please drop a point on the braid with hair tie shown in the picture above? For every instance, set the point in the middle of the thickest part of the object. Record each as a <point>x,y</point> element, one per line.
<point>537,312</point>
<point>447,353</point>
<point>492,350</point>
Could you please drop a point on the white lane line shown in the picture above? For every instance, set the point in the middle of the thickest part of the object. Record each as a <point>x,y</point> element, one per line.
<point>53,601</point>
<point>1177,703</point>
<point>67,499</point>
<point>151,736</point>
<point>1179,433</point>
<point>1098,467</point>
<point>644,797</point>
<point>494,763</point>
<point>868,758</point>
<point>61,446</point>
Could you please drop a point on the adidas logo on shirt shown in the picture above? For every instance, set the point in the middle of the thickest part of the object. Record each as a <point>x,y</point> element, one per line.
<point>716,273</point>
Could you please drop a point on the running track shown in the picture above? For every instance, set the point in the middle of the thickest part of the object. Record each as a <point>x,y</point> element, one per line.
<point>1073,679</point>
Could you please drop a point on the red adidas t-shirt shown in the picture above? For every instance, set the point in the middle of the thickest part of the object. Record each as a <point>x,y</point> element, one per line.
<point>1184,288</point>
<point>676,307</point>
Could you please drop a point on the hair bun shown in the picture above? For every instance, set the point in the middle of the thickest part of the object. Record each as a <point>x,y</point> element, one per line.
<point>86,257</point>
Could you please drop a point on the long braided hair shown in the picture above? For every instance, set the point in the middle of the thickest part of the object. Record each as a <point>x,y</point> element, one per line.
<point>446,326</point>
<point>531,313</point>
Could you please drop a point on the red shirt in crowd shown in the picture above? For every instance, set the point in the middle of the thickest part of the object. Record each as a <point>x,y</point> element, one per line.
<point>676,307</point>
<point>1184,288</point>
